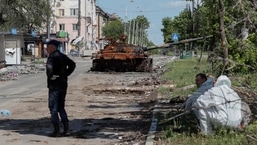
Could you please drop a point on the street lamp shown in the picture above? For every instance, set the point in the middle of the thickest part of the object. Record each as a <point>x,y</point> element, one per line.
<point>126,13</point>
<point>141,34</point>
<point>131,1</point>
<point>135,23</point>
<point>138,27</point>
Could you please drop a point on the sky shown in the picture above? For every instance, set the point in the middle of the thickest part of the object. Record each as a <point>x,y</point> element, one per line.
<point>153,10</point>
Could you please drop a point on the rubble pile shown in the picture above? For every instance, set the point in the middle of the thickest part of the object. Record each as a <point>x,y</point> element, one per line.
<point>12,72</point>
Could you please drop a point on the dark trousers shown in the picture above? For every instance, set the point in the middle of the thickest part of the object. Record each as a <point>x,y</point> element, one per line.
<point>56,104</point>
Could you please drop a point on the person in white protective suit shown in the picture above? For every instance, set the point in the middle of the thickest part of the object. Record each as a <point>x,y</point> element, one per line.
<point>221,106</point>
<point>203,84</point>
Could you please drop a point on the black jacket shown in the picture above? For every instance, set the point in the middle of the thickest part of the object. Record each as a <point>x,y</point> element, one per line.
<point>61,65</point>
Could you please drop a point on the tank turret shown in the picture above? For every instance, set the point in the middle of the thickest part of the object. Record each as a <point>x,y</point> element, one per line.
<point>121,57</point>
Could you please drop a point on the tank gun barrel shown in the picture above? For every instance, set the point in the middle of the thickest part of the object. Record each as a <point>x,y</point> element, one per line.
<point>166,45</point>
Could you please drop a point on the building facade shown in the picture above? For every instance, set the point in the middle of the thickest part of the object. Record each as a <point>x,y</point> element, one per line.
<point>102,19</point>
<point>76,19</point>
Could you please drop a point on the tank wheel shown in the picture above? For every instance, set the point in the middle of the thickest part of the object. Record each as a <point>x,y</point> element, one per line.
<point>144,65</point>
<point>97,65</point>
<point>149,65</point>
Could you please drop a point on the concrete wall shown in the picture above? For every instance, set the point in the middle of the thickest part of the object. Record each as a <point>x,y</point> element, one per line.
<point>10,41</point>
<point>2,49</point>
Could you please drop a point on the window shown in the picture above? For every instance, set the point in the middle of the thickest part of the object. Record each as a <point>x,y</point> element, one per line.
<point>61,12</point>
<point>74,27</point>
<point>61,26</point>
<point>74,12</point>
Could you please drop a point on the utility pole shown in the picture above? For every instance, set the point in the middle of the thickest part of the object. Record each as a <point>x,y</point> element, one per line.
<point>79,24</point>
<point>125,23</point>
<point>136,34</point>
<point>129,25</point>
<point>133,31</point>
<point>86,27</point>
<point>129,33</point>
<point>193,25</point>
<point>48,22</point>
<point>79,17</point>
<point>141,38</point>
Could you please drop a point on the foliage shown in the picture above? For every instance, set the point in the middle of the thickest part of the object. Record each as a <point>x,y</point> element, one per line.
<point>154,51</point>
<point>181,73</point>
<point>180,25</point>
<point>134,30</point>
<point>25,16</point>
<point>150,43</point>
<point>113,29</point>
<point>167,30</point>
<point>244,54</point>
<point>184,129</point>
<point>203,20</point>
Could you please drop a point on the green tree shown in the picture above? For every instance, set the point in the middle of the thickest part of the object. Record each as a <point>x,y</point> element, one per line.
<point>135,30</point>
<point>167,29</point>
<point>180,24</point>
<point>25,15</point>
<point>113,29</point>
<point>232,25</point>
<point>150,43</point>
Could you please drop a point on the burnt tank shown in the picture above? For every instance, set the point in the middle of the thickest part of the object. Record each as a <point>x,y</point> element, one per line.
<point>119,56</point>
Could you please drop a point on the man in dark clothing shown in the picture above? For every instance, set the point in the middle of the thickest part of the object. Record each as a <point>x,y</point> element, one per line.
<point>58,68</point>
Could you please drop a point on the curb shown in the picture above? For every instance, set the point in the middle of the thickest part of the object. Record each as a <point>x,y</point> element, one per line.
<point>153,127</point>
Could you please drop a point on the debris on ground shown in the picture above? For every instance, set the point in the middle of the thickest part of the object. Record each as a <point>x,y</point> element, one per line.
<point>104,108</point>
<point>12,72</point>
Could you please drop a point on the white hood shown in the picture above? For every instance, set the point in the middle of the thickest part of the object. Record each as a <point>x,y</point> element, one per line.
<point>222,80</point>
<point>219,106</point>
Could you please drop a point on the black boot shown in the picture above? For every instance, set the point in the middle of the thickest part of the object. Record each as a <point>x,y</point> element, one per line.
<point>66,129</point>
<point>56,131</point>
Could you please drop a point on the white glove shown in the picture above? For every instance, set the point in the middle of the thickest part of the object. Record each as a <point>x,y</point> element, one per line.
<point>54,77</point>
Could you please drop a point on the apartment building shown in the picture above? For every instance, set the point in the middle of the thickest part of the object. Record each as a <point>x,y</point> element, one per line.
<point>102,19</point>
<point>77,20</point>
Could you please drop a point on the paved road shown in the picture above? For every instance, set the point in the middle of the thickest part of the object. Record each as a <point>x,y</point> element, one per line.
<point>32,83</point>
<point>103,109</point>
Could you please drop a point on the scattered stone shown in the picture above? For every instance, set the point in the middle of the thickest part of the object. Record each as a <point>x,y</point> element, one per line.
<point>12,72</point>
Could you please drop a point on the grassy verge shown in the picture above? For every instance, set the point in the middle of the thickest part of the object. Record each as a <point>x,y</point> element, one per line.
<point>182,73</point>
<point>184,129</point>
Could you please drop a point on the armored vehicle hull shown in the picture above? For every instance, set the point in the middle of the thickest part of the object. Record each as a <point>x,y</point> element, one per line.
<point>121,57</point>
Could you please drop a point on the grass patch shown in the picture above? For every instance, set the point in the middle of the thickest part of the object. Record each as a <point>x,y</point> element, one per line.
<point>182,73</point>
<point>246,80</point>
<point>226,139</point>
<point>184,130</point>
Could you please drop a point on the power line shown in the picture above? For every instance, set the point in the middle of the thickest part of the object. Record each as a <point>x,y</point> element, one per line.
<point>145,11</point>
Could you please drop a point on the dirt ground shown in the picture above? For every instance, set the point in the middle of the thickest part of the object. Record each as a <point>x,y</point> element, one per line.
<point>104,109</point>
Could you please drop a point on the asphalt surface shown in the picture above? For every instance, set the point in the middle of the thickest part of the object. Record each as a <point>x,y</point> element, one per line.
<point>104,108</point>
<point>28,84</point>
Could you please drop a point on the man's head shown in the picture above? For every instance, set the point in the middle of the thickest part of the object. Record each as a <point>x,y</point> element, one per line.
<point>200,79</point>
<point>52,45</point>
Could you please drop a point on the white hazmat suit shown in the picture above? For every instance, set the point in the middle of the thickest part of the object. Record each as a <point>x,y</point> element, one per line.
<point>221,106</point>
<point>200,91</point>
